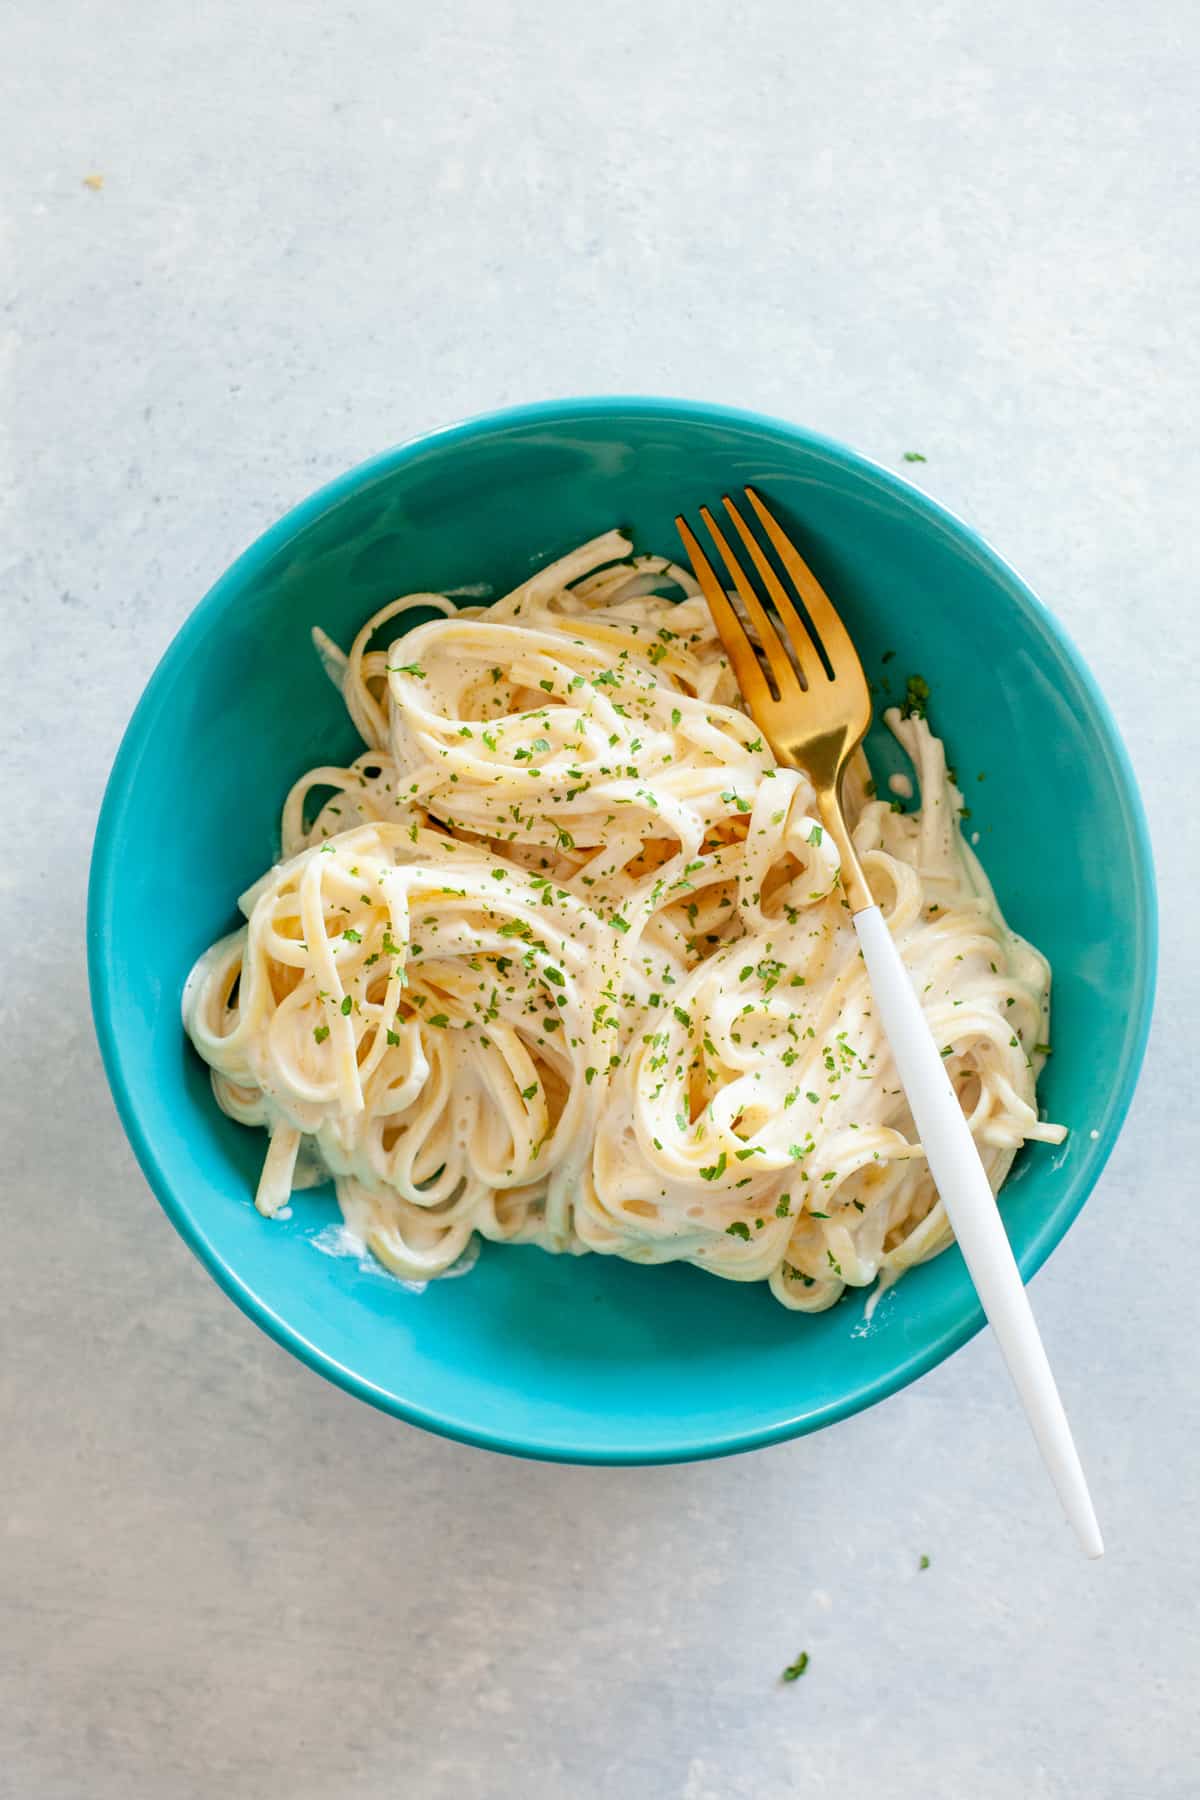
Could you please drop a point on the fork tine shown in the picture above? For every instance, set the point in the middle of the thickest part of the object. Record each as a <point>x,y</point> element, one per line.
<point>839,648</point>
<point>778,661</point>
<point>808,653</point>
<point>732,632</point>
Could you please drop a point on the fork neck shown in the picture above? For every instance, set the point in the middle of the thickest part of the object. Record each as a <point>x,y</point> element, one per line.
<point>854,882</point>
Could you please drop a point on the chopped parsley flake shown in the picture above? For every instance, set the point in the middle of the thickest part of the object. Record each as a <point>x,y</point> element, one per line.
<point>916,698</point>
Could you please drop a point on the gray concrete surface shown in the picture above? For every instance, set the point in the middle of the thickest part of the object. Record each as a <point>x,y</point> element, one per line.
<point>951,227</point>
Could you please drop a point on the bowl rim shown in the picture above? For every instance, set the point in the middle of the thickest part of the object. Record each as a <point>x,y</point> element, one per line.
<point>527,1442</point>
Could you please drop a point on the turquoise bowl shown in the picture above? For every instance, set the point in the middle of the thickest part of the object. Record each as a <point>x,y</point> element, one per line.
<point>592,1359</point>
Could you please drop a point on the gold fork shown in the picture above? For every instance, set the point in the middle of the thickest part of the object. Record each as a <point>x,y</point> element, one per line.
<point>807,693</point>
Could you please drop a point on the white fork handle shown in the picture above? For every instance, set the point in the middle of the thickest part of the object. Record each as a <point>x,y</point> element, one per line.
<point>971,1208</point>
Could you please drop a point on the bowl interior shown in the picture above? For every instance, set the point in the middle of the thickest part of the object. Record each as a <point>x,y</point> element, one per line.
<point>594,1358</point>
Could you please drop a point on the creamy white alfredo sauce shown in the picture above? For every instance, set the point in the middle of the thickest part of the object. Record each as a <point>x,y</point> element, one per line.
<point>565,959</point>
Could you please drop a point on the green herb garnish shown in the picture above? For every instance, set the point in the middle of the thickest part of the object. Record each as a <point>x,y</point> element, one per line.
<point>916,698</point>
